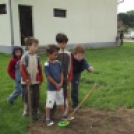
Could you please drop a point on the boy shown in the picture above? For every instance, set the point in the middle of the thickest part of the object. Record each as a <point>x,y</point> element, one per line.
<point>54,74</point>
<point>14,73</point>
<point>117,39</point>
<point>64,57</point>
<point>31,72</point>
<point>121,38</point>
<point>79,64</point>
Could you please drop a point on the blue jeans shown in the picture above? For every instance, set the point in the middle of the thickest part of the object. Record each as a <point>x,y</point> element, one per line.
<point>74,89</point>
<point>18,91</point>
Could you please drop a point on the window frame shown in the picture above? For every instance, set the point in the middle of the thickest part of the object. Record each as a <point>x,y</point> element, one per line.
<point>59,16</point>
<point>5,9</point>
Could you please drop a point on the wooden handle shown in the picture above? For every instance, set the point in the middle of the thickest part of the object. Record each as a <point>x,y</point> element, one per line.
<point>29,106</point>
<point>81,103</point>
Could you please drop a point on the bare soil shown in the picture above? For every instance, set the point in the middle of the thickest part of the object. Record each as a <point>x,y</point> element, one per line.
<point>90,121</point>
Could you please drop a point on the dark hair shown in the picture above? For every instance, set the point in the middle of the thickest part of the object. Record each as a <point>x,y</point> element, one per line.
<point>51,48</point>
<point>79,49</point>
<point>28,41</point>
<point>61,38</point>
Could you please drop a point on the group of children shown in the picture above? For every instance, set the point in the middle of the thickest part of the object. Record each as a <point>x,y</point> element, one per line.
<point>61,69</point>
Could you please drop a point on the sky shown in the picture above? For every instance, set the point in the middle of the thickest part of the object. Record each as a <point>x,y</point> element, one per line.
<point>126,6</point>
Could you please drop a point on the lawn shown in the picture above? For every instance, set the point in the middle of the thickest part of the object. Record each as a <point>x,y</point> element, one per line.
<point>113,74</point>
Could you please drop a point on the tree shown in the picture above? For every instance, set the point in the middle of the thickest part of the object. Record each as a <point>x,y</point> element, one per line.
<point>127,18</point>
<point>130,12</point>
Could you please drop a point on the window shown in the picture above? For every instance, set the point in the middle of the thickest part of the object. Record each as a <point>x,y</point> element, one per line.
<point>3,9</point>
<point>60,13</point>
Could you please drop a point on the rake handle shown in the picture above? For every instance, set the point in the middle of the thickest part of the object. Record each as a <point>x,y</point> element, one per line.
<point>90,92</point>
<point>29,106</point>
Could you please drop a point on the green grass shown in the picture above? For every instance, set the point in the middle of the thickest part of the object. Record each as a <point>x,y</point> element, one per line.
<point>113,71</point>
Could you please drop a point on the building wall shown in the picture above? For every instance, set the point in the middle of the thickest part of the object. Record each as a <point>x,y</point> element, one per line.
<point>5,30</point>
<point>90,22</point>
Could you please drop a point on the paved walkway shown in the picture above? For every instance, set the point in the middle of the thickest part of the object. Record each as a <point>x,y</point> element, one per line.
<point>128,40</point>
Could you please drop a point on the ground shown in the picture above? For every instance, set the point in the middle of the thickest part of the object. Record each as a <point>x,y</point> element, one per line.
<point>114,69</point>
<point>91,121</point>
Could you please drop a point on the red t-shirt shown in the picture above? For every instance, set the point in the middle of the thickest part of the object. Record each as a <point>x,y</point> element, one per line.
<point>11,67</point>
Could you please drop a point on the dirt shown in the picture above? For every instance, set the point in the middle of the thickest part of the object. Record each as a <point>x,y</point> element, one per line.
<point>91,121</point>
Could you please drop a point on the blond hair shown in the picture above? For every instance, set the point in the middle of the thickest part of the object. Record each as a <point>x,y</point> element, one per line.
<point>79,49</point>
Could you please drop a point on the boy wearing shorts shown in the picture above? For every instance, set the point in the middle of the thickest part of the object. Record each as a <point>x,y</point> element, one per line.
<point>54,75</point>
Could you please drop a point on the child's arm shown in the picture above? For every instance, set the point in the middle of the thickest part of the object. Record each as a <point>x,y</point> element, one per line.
<point>11,69</point>
<point>50,79</point>
<point>40,73</point>
<point>48,75</point>
<point>70,73</point>
<point>23,71</point>
<point>87,66</point>
<point>61,78</point>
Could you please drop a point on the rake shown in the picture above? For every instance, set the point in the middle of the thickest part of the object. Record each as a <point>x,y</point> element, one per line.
<point>67,122</point>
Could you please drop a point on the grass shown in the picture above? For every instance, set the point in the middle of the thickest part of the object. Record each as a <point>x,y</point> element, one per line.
<point>113,73</point>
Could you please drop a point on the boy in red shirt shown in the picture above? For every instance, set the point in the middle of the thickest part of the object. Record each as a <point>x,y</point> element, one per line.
<point>14,73</point>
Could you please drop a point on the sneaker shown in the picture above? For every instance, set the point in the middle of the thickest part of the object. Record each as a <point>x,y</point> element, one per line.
<point>10,102</point>
<point>33,111</point>
<point>65,117</point>
<point>49,122</point>
<point>25,113</point>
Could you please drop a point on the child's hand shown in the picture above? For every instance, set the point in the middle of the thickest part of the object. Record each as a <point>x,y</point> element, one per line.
<point>58,86</point>
<point>91,69</point>
<point>28,82</point>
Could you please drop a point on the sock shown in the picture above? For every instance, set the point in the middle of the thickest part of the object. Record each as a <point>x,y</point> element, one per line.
<point>26,107</point>
<point>64,115</point>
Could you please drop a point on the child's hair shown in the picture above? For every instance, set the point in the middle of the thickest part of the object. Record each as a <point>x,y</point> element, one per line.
<point>79,49</point>
<point>61,38</point>
<point>28,41</point>
<point>51,48</point>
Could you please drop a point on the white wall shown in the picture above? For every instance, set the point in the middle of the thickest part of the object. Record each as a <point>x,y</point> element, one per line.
<point>5,34</point>
<point>87,21</point>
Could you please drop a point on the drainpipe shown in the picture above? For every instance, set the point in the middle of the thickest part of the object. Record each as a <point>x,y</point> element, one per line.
<point>11,23</point>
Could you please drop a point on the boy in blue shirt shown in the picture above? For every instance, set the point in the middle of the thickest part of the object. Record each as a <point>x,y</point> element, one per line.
<point>79,65</point>
<point>54,75</point>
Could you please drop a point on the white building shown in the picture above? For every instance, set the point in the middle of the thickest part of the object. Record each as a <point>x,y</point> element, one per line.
<point>89,22</point>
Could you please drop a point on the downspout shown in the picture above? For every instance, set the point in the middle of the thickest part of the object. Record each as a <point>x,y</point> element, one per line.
<point>11,23</point>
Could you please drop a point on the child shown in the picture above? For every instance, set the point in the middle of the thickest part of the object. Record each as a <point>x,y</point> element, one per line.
<point>13,71</point>
<point>79,64</point>
<point>64,57</point>
<point>121,38</point>
<point>31,72</point>
<point>54,74</point>
<point>117,39</point>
